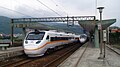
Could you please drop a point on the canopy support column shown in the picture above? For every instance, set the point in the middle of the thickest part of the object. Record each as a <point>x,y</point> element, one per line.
<point>96,37</point>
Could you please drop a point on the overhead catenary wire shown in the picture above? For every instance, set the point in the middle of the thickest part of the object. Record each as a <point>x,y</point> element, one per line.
<point>61,7</point>
<point>15,11</point>
<point>49,8</point>
<point>28,6</point>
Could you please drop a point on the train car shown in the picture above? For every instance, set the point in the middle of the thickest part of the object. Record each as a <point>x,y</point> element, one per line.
<point>83,38</point>
<point>38,42</point>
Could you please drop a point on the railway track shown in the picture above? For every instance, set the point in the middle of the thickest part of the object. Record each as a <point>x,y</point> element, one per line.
<point>113,49</point>
<point>51,60</point>
<point>86,46</point>
<point>61,58</point>
<point>12,60</point>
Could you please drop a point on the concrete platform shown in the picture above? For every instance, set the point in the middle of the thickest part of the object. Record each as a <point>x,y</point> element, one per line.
<point>11,52</point>
<point>90,59</point>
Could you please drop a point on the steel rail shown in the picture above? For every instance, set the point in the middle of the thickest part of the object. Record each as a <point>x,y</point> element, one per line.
<point>81,56</point>
<point>60,57</point>
<point>113,49</point>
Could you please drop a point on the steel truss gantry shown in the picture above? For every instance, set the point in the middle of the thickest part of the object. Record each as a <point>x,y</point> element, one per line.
<point>53,19</point>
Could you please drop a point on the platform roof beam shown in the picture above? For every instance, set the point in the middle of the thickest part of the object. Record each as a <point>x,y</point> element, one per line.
<point>54,19</point>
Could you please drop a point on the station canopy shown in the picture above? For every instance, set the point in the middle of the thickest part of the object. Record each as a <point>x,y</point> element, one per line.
<point>91,24</point>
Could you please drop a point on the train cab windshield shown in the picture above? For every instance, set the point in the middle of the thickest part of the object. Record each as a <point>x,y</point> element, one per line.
<point>83,36</point>
<point>35,36</point>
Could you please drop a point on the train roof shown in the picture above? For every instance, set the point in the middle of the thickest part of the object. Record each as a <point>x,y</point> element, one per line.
<point>51,31</point>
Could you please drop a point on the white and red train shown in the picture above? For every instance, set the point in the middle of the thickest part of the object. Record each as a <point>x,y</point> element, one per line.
<point>38,42</point>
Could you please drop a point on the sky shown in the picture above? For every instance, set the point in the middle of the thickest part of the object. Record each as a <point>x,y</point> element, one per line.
<point>56,8</point>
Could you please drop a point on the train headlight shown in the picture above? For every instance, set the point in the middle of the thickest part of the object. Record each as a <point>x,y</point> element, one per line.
<point>38,42</point>
<point>26,42</point>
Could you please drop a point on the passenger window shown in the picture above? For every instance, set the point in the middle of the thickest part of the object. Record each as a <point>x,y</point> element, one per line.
<point>47,37</point>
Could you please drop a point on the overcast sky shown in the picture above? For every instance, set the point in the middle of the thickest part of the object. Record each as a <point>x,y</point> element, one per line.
<point>32,8</point>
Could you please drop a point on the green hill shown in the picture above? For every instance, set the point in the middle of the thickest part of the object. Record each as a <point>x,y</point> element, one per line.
<point>5,26</point>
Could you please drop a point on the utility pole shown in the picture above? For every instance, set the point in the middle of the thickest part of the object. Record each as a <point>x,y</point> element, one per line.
<point>12,29</point>
<point>104,40</point>
<point>100,28</point>
<point>108,36</point>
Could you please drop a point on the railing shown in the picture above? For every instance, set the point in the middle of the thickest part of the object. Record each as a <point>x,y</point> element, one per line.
<point>4,45</point>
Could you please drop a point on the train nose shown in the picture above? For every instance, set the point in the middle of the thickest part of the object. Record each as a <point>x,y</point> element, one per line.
<point>35,52</point>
